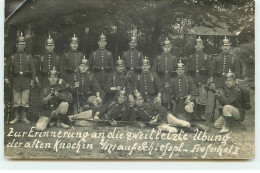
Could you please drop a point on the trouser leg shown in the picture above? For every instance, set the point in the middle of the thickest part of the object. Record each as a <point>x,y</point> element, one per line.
<point>24,116</point>
<point>17,115</point>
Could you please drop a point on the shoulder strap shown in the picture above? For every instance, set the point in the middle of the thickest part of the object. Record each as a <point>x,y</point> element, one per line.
<point>114,79</point>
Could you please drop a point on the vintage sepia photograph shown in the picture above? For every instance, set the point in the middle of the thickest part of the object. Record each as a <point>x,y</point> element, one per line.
<point>129,79</point>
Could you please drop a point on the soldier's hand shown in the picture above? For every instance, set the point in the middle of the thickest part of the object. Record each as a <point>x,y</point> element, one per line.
<point>56,93</point>
<point>49,97</point>
<point>113,123</point>
<point>119,88</point>
<point>7,83</point>
<point>153,121</point>
<point>131,98</point>
<point>99,100</point>
<point>32,83</point>
<point>96,118</point>
<point>76,84</point>
<point>60,81</point>
<point>212,86</point>
<point>157,100</point>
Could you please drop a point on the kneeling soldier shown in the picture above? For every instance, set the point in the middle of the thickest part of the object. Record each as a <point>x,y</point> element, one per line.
<point>232,102</point>
<point>84,86</point>
<point>114,110</point>
<point>54,104</point>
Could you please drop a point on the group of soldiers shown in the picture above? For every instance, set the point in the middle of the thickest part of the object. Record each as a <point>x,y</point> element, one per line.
<point>130,90</point>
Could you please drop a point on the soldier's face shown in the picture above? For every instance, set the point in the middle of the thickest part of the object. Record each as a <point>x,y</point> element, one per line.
<point>74,46</point>
<point>230,82</point>
<point>198,47</point>
<point>225,49</point>
<point>120,69</point>
<point>139,102</point>
<point>83,68</point>
<point>120,99</point>
<point>145,68</point>
<point>166,49</point>
<point>20,47</point>
<point>49,48</point>
<point>180,72</point>
<point>53,80</point>
<point>102,44</point>
<point>132,45</point>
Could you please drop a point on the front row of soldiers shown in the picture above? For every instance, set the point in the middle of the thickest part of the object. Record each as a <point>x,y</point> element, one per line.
<point>132,92</point>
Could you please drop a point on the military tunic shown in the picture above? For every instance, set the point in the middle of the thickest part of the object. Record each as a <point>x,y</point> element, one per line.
<point>221,65</point>
<point>132,59</point>
<point>198,67</point>
<point>114,111</point>
<point>148,84</point>
<point>232,96</point>
<point>88,86</point>
<point>45,64</point>
<point>101,64</point>
<point>51,105</point>
<point>72,60</point>
<point>22,67</point>
<point>182,87</point>
<point>146,112</point>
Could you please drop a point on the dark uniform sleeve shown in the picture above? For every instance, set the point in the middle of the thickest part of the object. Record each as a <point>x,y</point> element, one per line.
<point>193,91</point>
<point>124,56</point>
<point>7,68</point>
<point>91,61</point>
<point>111,61</point>
<point>213,67</point>
<point>236,68</point>
<point>109,83</point>
<point>229,101</point>
<point>96,87</point>
<point>155,65</point>
<point>61,68</point>
<point>158,84</point>
<point>32,67</point>
<point>188,65</point>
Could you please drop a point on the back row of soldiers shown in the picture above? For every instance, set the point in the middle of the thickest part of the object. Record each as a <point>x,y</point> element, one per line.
<point>95,80</point>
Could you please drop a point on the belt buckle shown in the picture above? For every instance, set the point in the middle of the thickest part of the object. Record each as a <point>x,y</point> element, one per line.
<point>51,106</point>
<point>102,68</point>
<point>197,71</point>
<point>223,74</point>
<point>21,73</point>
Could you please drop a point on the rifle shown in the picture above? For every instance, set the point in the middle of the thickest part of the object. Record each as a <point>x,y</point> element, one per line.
<point>78,106</point>
<point>10,92</point>
<point>214,104</point>
<point>123,83</point>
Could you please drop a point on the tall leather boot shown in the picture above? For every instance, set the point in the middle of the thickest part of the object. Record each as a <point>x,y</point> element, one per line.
<point>17,115</point>
<point>220,112</point>
<point>62,119</point>
<point>202,111</point>
<point>24,116</point>
<point>225,127</point>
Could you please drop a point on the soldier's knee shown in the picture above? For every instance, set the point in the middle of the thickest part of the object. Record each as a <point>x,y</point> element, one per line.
<point>42,123</point>
<point>227,110</point>
<point>63,107</point>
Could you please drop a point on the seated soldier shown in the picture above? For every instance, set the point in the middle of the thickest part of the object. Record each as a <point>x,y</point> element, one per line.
<point>184,94</point>
<point>153,113</point>
<point>84,86</point>
<point>232,101</point>
<point>54,104</point>
<point>115,110</point>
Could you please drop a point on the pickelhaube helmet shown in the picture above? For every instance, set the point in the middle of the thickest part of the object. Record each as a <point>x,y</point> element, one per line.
<point>199,41</point>
<point>226,42</point>
<point>230,74</point>
<point>122,93</point>
<point>53,72</point>
<point>138,96</point>
<point>133,39</point>
<point>21,39</point>
<point>84,61</point>
<point>102,37</point>
<point>74,39</point>
<point>120,62</point>
<point>180,65</point>
<point>167,42</point>
<point>50,41</point>
<point>145,61</point>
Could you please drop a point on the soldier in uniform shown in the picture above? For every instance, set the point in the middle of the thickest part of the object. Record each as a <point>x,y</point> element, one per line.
<point>148,83</point>
<point>54,103</point>
<point>184,94</point>
<point>232,101</point>
<point>22,68</point>
<point>117,81</point>
<point>115,110</point>
<point>133,58</point>
<point>46,63</point>
<point>198,67</point>
<point>85,85</point>
<point>72,59</point>
<point>101,62</point>
<point>165,66</point>
<point>220,66</point>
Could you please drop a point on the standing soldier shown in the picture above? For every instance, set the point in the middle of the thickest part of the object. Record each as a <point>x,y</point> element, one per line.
<point>84,86</point>
<point>184,93</point>
<point>22,68</point>
<point>148,84</point>
<point>198,67</point>
<point>117,81</point>
<point>221,66</point>
<point>165,65</point>
<point>46,63</point>
<point>72,59</point>
<point>133,58</point>
<point>101,62</point>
